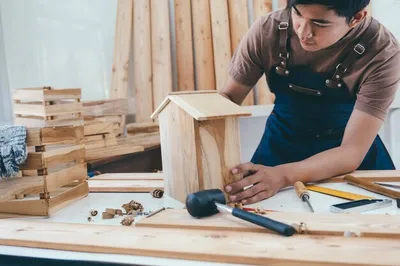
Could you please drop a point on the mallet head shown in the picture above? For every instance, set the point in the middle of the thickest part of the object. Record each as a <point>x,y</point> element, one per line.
<point>201,204</point>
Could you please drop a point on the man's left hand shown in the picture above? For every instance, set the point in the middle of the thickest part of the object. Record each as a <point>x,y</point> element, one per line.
<point>265,181</point>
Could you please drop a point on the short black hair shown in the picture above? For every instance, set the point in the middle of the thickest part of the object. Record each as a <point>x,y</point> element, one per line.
<point>343,8</point>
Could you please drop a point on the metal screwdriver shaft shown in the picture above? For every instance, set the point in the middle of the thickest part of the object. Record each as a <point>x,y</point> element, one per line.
<point>303,194</point>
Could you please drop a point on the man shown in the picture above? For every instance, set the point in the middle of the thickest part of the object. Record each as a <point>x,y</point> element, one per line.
<point>334,71</point>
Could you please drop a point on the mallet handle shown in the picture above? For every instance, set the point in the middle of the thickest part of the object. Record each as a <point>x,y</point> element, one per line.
<point>273,225</point>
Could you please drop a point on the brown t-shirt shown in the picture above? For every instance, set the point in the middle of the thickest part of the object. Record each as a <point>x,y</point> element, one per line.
<point>374,77</point>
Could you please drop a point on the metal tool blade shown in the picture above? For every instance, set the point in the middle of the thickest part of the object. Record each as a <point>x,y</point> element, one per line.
<point>309,205</point>
<point>387,185</point>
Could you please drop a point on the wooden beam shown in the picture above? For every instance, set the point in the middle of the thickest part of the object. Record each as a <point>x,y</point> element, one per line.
<point>129,176</point>
<point>201,245</point>
<point>124,185</point>
<point>239,25</point>
<point>371,176</point>
<point>203,45</point>
<point>184,45</point>
<point>143,82</point>
<point>122,49</point>
<point>221,40</point>
<point>161,50</point>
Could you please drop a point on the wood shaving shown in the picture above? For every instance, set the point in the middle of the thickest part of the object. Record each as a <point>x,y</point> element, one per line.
<point>157,193</point>
<point>128,220</point>
<point>93,212</point>
<point>111,211</point>
<point>259,211</point>
<point>107,215</point>
<point>133,205</point>
<point>118,212</point>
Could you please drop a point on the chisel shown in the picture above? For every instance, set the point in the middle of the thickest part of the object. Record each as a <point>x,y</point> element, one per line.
<point>303,194</point>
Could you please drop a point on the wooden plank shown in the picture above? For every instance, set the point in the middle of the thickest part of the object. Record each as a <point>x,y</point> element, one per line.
<point>95,128</point>
<point>143,127</point>
<point>122,49</point>
<point>68,197</point>
<point>129,176</point>
<point>180,178</point>
<point>65,176</point>
<point>124,185</point>
<point>63,109</point>
<point>208,106</point>
<point>95,154</point>
<point>64,155</point>
<point>109,107</point>
<point>20,185</point>
<point>32,122</point>
<point>264,95</point>
<point>201,245</point>
<point>218,150</point>
<point>29,109</point>
<point>371,176</point>
<point>203,45</point>
<point>43,94</point>
<point>28,95</point>
<point>184,45</point>
<point>141,139</point>
<point>100,141</point>
<point>221,41</point>
<point>239,25</point>
<point>25,207</point>
<point>52,136</point>
<point>116,119</point>
<point>161,50</point>
<point>143,82</point>
<point>62,94</point>
<point>379,226</point>
<point>34,161</point>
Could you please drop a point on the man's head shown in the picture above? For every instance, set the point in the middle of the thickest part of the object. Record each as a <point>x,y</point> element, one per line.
<point>321,23</point>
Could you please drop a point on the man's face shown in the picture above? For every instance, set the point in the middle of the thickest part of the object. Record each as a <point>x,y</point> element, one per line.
<point>318,27</point>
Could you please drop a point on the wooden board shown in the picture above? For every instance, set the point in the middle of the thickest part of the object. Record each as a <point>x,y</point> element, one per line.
<point>95,128</point>
<point>142,127</point>
<point>67,197</point>
<point>100,153</point>
<point>129,176</point>
<point>239,24</point>
<point>379,226</point>
<point>203,45</point>
<point>65,176</point>
<point>53,136</point>
<point>161,50</point>
<point>122,49</point>
<point>21,185</point>
<point>109,107</point>
<point>143,82</point>
<point>44,94</point>
<point>35,122</point>
<point>124,185</point>
<point>221,41</point>
<point>372,176</point>
<point>264,95</point>
<point>184,45</point>
<point>201,245</point>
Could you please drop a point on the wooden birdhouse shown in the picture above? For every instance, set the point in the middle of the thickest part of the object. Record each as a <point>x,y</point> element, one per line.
<point>200,141</point>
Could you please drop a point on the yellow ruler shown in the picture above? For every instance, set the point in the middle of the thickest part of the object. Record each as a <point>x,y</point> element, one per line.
<point>338,193</point>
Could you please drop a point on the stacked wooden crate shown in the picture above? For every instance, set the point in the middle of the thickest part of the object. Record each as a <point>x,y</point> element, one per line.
<point>54,174</point>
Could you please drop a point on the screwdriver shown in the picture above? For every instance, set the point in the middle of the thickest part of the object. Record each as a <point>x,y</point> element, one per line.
<point>303,194</point>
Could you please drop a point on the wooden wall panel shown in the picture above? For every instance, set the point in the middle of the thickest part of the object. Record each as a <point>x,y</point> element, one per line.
<point>122,49</point>
<point>264,96</point>
<point>161,50</point>
<point>143,83</point>
<point>221,40</point>
<point>184,45</point>
<point>239,25</point>
<point>203,45</point>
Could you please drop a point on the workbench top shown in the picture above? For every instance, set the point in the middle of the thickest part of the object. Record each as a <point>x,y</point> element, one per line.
<point>285,201</point>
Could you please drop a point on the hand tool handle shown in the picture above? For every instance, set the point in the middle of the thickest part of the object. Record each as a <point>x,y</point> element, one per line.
<point>372,187</point>
<point>273,225</point>
<point>301,190</point>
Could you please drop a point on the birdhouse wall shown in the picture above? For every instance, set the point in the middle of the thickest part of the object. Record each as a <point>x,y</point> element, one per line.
<point>218,150</point>
<point>178,152</point>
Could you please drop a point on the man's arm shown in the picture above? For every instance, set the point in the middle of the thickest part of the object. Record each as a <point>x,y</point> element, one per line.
<point>360,133</point>
<point>235,91</point>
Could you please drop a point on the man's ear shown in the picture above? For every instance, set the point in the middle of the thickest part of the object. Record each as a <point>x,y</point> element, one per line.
<point>358,17</point>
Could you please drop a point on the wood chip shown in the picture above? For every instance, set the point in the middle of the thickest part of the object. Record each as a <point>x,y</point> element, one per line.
<point>93,212</point>
<point>107,215</point>
<point>128,220</point>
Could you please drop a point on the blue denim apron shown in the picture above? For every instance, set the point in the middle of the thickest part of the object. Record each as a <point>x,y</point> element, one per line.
<point>312,110</point>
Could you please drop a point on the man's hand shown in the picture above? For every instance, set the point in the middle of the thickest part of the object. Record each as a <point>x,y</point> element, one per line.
<point>266,181</point>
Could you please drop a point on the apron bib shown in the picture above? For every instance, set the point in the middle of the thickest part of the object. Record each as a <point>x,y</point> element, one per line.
<point>311,111</point>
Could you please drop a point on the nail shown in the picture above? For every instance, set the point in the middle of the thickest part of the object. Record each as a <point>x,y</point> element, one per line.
<point>228,188</point>
<point>232,198</point>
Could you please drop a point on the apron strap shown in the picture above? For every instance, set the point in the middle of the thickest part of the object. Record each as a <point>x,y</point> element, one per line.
<point>357,51</point>
<point>283,29</point>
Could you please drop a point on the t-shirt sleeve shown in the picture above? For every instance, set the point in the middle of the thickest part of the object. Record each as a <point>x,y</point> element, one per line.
<point>378,91</point>
<point>246,65</point>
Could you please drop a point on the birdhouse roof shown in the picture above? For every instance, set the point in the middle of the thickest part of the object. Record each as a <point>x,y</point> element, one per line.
<point>202,105</point>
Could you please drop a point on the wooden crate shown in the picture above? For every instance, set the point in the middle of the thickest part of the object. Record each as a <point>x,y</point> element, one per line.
<point>99,134</point>
<point>52,177</point>
<point>47,107</point>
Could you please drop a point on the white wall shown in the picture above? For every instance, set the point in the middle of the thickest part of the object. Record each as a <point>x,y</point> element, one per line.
<point>60,43</point>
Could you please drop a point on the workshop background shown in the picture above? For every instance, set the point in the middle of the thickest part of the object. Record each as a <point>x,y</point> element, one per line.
<point>70,44</point>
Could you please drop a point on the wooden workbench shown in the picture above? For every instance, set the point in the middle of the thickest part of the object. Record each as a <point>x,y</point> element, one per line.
<point>77,213</point>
